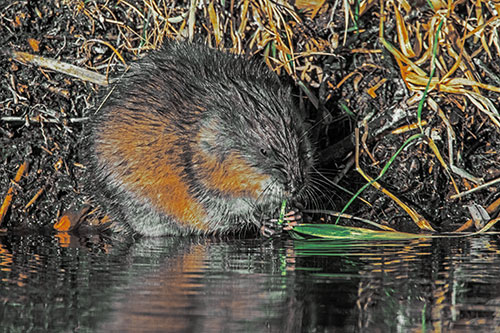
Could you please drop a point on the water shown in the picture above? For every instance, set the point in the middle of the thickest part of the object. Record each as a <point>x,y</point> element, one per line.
<point>213,285</point>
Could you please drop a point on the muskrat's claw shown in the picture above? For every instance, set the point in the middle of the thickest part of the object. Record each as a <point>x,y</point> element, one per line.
<point>267,232</point>
<point>270,228</point>
<point>291,219</point>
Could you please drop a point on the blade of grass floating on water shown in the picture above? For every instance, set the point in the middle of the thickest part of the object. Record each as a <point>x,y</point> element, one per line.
<point>348,216</point>
<point>333,231</point>
<point>336,232</point>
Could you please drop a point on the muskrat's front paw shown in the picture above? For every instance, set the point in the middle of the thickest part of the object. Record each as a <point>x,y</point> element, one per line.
<point>291,219</point>
<point>267,230</point>
<point>271,227</point>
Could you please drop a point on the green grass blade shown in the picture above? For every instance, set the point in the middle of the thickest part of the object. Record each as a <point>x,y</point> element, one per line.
<point>333,231</point>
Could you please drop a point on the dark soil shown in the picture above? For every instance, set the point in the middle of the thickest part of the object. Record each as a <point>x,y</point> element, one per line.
<point>43,113</point>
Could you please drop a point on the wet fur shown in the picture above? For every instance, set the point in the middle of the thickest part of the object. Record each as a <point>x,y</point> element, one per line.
<point>194,141</point>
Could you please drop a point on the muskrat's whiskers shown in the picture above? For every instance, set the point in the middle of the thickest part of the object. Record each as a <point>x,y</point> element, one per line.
<point>312,190</point>
<point>327,181</point>
<point>325,191</point>
<point>322,185</point>
<point>265,193</point>
<point>321,174</point>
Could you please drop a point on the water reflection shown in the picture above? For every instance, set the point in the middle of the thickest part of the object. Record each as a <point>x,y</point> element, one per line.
<point>213,285</point>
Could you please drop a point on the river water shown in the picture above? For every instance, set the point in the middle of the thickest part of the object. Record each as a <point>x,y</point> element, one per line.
<point>49,284</point>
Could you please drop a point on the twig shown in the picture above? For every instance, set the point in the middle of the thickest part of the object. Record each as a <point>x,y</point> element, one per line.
<point>490,209</point>
<point>36,196</point>
<point>62,67</point>
<point>37,119</point>
<point>8,198</point>
<point>480,187</point>
<point>192,19</point>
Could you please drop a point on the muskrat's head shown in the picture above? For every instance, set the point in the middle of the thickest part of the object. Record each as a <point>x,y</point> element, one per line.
<point>257,135</point>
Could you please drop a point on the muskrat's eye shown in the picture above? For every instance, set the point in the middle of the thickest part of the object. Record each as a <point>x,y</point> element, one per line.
<point>263,152</point>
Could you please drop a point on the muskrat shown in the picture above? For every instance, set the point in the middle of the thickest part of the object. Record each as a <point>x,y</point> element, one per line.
<point>193,140</point>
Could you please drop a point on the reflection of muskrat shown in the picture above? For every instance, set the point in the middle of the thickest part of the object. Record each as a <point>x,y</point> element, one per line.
<point>194,141</point>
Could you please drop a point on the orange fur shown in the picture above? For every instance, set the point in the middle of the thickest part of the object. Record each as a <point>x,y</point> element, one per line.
<point>234,177</point>
<point>148,175</point>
